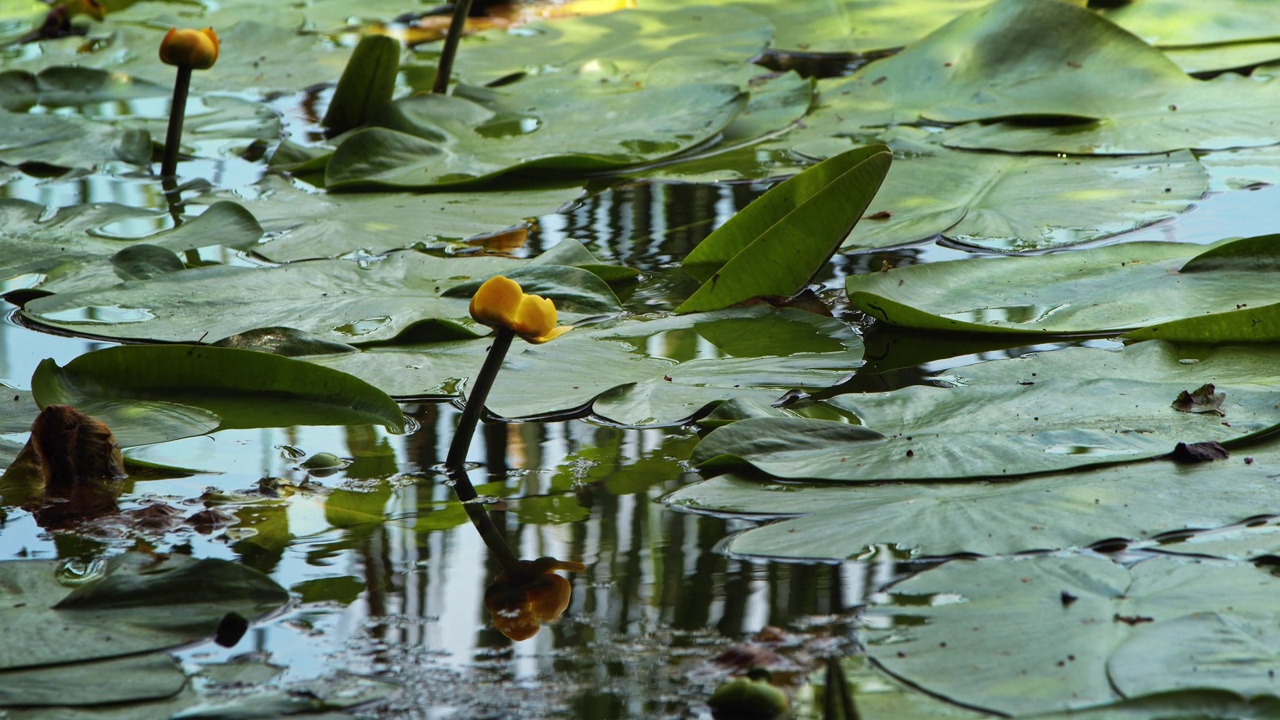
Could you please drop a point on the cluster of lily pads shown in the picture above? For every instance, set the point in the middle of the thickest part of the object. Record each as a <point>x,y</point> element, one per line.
<point>1019,126</point>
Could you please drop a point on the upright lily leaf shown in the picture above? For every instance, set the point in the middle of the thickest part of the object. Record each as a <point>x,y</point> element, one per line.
<point>1001,635</point>
<point>242,387</point>
<point>1050,411</point>
<point>1109,289</point>
<point>366,85</point>
<point>140,604</point>
<point>778,243</point>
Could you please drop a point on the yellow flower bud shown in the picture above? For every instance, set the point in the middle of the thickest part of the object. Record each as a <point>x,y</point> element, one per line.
<point>197,49</point>
<point>501,303</point>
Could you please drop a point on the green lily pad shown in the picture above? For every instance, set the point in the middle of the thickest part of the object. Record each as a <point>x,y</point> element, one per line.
<point>1106,290</point>
<point>441,140</point>
<point>263,48</point>
<point>306,225</point>
<point>624,43</point>
<point>997,63</point>
<point>1134,503</point>
<point>68,142</point>
<point>1046,412</point>
<point>87,233</point>
<point>1185,22</point>
<point>228,382</point>
<point>1221,650</point>
<point>140,604</point>
<point>1042,634</point>
<point>1021,202</point>
<point>71,87</point>
<point>632,371</point>
<point>778,243</point>
<point>117,680</point>
<point>387,299</point>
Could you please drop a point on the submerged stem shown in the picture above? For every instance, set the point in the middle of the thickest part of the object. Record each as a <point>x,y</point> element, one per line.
<point>461,8</point>
<point>177,112</point>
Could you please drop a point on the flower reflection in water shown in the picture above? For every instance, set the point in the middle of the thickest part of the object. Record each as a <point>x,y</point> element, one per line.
<point>521,602</point>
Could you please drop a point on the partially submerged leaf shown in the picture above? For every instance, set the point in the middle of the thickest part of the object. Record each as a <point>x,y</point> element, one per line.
<point>230,383</point>
<point>140,604</point>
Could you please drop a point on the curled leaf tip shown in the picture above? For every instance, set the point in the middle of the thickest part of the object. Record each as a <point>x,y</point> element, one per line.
<point>501,303</point>
<point>196,49</point>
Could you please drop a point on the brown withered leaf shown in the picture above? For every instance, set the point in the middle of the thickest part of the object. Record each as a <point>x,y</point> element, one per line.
<point>1198,452</point>
<point>69,470</point>
<point>1201,400</point>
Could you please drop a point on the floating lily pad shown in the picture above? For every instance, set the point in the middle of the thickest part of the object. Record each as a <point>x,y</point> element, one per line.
<point>1103,290</point>
<point>626,42</point>
<point>85,233</point>
<point>441,140</point>
<point>997,63</point>
<point>634,371</point>
<point>140,604</point>
<point>1069,510</point>
<point>365,302</point>
<point>227,382</point>
<point>323,225</point>
<point>1021,202</point>
<point>117,680</point>
<point>1050,411</point>
<point>1186,22</point>
<point>1002,635</point>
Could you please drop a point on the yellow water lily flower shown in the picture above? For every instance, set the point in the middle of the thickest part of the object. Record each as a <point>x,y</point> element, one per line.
<point>501,303</point>
<point>196,49</point>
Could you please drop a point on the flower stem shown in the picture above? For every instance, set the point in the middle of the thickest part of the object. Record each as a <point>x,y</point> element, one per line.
<point>445,67</point>
<point>455,463</point>
<point>177,111</point>
<point>457,457</point>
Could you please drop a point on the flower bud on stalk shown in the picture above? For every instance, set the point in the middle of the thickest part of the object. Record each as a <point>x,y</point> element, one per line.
<point>187,50</point>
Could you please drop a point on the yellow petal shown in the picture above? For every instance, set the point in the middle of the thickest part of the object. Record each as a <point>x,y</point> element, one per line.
<point>196,49</point>
<point>501,303</point>
<point>495,303</point>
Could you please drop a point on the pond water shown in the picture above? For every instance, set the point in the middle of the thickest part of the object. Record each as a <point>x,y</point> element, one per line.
<point>658,601</point>
<point>403,598</point>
